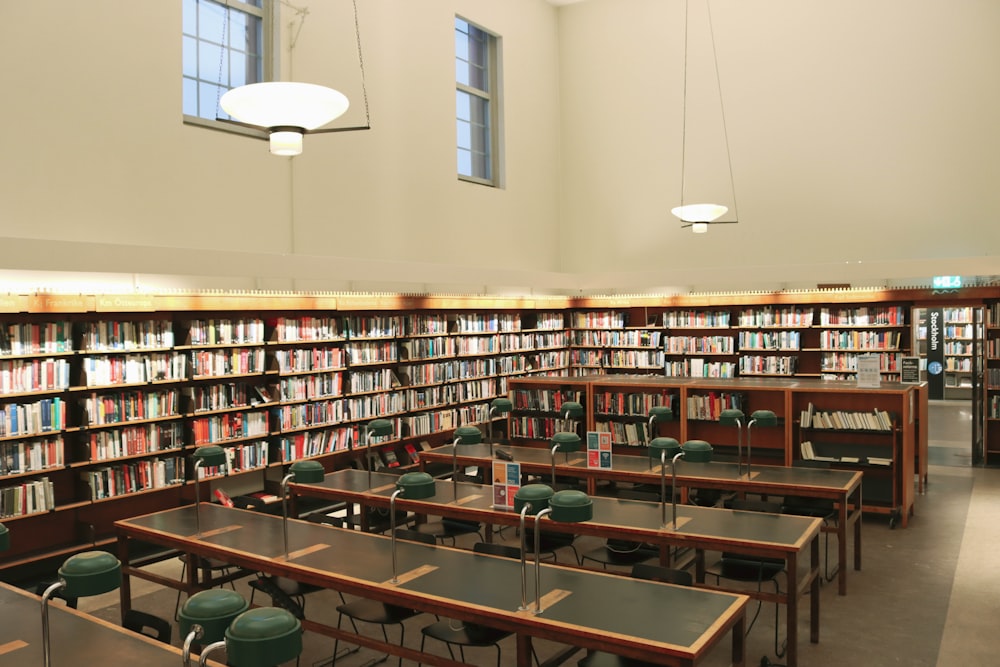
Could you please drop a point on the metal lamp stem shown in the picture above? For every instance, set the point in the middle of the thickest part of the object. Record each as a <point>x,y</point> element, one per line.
<point>739,448</point>
<point>197,496</point>
<point>392,531</point>
<point>749,451</point>
<point>663,487</point>
<point>673,486</point>
<point>46,644</point>
<point>214,646</point>
<point>555,448</point>
<point>284,507</point>
<point>538,559</point>
<point>524,566</point>
<point>197,632</point>
<point>368,453</point>
<point>454,467</point>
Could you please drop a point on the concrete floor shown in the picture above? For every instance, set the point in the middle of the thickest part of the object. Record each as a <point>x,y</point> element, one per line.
<point>926,596</point>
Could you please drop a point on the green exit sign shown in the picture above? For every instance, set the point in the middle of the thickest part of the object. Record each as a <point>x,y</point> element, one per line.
<point>947,282</point>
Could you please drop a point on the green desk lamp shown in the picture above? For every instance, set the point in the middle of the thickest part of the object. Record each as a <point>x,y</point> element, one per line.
<point>500,406</point>
<point>260,637</point>
<point>564,442</point>
<point>657,415</point>
<point>570,410</point>
<point>414,486</point>
<point>663,449</point>
<point>303,472</point>
<point>379,427</point>
<point>85,574</point>
<point>208,455</point>
<point>464,435</point>
<point>206,615</point>
<point>569,506</point>
<point>760,418</point>
<point>693,451</point>
<point>734,417</point>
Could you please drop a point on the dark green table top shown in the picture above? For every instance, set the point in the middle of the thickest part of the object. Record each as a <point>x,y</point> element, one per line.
<point>706,527</point>
<point>76,638</point>
<point>587,608</point>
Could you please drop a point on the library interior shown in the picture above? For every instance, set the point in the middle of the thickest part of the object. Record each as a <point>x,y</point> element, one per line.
<point>473,364</point>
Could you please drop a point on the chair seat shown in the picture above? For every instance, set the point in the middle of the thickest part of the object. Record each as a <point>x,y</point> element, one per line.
<point>449,529</point>
<point>465,634</point>
<point>372,611</point>
<point>743,568</point>
<point>620,554</point>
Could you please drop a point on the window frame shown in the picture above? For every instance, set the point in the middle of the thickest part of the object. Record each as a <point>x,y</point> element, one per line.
<point>268,12</point>
<point>493,96</point>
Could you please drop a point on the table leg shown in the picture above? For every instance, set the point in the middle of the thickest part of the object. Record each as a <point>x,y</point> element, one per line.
<point>814,591</point>
<point>125,591</point>
<point>857,533</point>
<point>792,609</point>
<point>842,513</point>
<point>739,640</point>
<point>523,650</point>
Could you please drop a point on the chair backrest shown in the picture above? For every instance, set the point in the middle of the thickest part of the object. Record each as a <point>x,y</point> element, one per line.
<point>648,496</point>
<point>754,505</point>
<point>326,520</point>
<point>148,624</point>
<point>495,549</point>
<point>249,503</point>
<point>415,536</point>
<point>667,575</point>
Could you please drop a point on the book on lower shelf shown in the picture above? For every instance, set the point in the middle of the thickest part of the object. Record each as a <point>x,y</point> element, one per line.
<point>879,461</point>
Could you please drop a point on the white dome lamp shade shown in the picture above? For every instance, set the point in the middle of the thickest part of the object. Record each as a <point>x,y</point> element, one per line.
<point>286,109</point>
<point>699,216</point>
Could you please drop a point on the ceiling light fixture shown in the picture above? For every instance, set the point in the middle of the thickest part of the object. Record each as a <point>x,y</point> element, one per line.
<point>699,216</point>
<point>287,110</point>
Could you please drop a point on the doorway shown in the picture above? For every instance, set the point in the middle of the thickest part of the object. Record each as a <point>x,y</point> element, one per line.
<point>949,341</point>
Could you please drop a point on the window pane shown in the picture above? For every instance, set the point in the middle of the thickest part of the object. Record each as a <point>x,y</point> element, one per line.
<point>462,111</point>
<point>210,20</point>
<point>462,72</point>
<point>477,47</point>
<point>464,134</point>
<point>208,63</point>
<point>190,97</point>
<point>190,48</point>
<point>464,162</point>
<point>189,17</point>
<point>238,29</point>
<point>461,46</point>
<point>208,100</point>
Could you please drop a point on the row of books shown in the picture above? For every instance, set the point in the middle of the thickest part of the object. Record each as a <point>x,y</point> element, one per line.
<point>845,420</point>
<point>315,443</point>
<point>537,428</point>
<point>310,360</point>
<point>302,415</point>
<point>226,331</point>
<point>206,397</point>
<point>116,335</point>
<point>48,414</point>
<point>863,316</point>
<point>696,319</point>
<point>770,340</point>
<point>848,361</point>
<point>28,498</point>
<point>630,403</point>
<point>603,319</point>
<point>808,453</point>
<point>310,387</point>
<point>112,481</point>
<point>700,368</point>
<point>230,361</point>
<point>25,339</point>
<point>305,328</point>
<point>229,426</point>
<point>768,365</point>
<point>134,440</point>
<point>102,371</point>
<point>860,340</point>
<point>27,375</point>
<point>709,406</point>
<point>633,434</point>
<point>770,317</point>
<point>613,338</point>
<point>124,406</point>
<point>699,345</point>
<point>544,400</point>
<point>31,455</point>
<point>372,352</point>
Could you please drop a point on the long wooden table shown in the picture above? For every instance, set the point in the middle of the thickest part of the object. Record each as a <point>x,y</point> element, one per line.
<point>581,608</point>
<point>699,528</point>
<point>841,486</point>
<point>76,638</point>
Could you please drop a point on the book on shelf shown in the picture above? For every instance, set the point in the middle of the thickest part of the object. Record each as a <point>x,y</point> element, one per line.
<point>411,451</point>
<point>849,459</point>
<point>806,450</point>
<point>391,459</point>
<point>879,461</point>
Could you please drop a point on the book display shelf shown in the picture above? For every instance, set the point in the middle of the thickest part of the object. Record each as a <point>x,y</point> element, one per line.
<point>992,382</point>
<point>103,400</point>
<point>879,431</point>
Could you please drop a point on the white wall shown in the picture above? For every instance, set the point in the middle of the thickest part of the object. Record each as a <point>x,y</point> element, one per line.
<point>98,172</point>
<point>863,135</point>
<point>864,141</point>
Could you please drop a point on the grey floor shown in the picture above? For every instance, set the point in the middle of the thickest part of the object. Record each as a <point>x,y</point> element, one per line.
<point>927,595</point>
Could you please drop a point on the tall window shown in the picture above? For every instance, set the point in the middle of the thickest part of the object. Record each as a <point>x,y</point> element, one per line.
<point>225,46</point>
<point>477,103</point>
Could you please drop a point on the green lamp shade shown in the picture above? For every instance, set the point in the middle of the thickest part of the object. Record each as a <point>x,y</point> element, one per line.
<point>571,506</point>
<point>213,610</point>
<point>416,485</point>
<point>263,637</point>
<point>660,445</point>
<point>661,413</point>
<point>502,405</point>
<point>764,418</point>
<point>210,455</point>
<point>4,538</point>
<point>730,417</point>
<point>380,427</point>
<point>468,435</point>
<point>697,451</point>
<point>90,573</point>
<point>571,409</point>
<point>307,472</point>
<point>565,441</point>
<point>537,495</point>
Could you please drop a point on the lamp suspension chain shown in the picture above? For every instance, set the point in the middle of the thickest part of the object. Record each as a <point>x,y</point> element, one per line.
<point>684,99</point>
<point>361,62</point>
<point>722,108</point>
<point>222,54</point>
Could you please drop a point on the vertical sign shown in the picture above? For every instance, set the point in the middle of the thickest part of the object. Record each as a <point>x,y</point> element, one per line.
<point>506,482</point>
<point>599,450</point>
<point>935,353</point>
